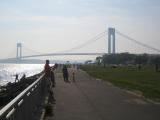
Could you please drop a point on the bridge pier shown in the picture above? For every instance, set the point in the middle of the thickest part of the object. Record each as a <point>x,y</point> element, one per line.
<point>111,40</point>
<point>19,51</point>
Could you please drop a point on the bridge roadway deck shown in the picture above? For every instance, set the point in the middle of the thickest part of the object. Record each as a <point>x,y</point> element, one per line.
<point>91,99</point>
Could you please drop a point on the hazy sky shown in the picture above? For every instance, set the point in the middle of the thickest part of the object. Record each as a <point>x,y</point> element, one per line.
<point>48,26</point>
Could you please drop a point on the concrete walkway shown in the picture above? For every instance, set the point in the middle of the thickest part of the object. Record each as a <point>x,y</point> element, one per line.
<point>91,99</point>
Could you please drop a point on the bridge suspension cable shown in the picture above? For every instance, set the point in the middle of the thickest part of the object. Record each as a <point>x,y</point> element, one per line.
<point>90,41</point>
<point>31,50</point>
<point>137,42</point>
<point>67,52</point>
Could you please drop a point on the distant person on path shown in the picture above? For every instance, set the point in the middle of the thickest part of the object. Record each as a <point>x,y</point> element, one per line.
<point>65,73</point>
<point>78,67</point>
<point>52,76</point>
<point>73,74</point>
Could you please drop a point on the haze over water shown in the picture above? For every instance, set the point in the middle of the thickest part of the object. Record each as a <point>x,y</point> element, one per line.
<point>8,71</point>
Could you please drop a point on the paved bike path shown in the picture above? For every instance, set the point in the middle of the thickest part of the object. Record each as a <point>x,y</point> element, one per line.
<point>91,99</point>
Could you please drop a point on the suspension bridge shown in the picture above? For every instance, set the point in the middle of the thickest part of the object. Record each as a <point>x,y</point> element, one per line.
<point>109,35</point>
<point>104,102</point>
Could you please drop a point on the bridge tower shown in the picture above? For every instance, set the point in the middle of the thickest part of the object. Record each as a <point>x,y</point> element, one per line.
<point>19,50</point>
<point>111,41</point>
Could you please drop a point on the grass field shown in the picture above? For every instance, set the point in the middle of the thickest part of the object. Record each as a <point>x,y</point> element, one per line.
<point>146,80</point>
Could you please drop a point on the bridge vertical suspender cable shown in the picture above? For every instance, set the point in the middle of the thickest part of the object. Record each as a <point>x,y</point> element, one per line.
<point>137,42</point>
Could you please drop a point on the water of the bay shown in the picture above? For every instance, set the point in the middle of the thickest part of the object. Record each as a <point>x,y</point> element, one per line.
<point>8,71</point>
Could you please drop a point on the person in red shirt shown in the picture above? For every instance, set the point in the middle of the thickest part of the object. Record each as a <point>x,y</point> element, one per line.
<point>48,75</point>
<point>47,69</point>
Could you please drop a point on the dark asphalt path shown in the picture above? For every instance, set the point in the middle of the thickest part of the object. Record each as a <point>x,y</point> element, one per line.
<point>91,99</point>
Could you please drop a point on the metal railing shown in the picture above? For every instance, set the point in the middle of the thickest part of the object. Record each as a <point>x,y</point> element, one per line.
<point>28,104</point>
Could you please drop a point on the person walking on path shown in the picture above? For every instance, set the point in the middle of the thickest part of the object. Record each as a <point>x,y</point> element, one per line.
<point>65,73</point>
<point>52,76</point>
<point>73,75</point>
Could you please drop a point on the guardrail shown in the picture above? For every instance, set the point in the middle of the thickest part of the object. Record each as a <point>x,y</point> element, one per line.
<point>27,105</point>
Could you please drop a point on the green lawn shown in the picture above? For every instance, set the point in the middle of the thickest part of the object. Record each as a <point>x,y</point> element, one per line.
<point>146,80</point>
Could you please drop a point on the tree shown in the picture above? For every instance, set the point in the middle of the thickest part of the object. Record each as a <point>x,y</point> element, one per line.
<point>88,61</point>
<point>156,62</point>
<point>98,60</point>
<point>141,60</point>
<point>125,58</point>
<point>104,60</point>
